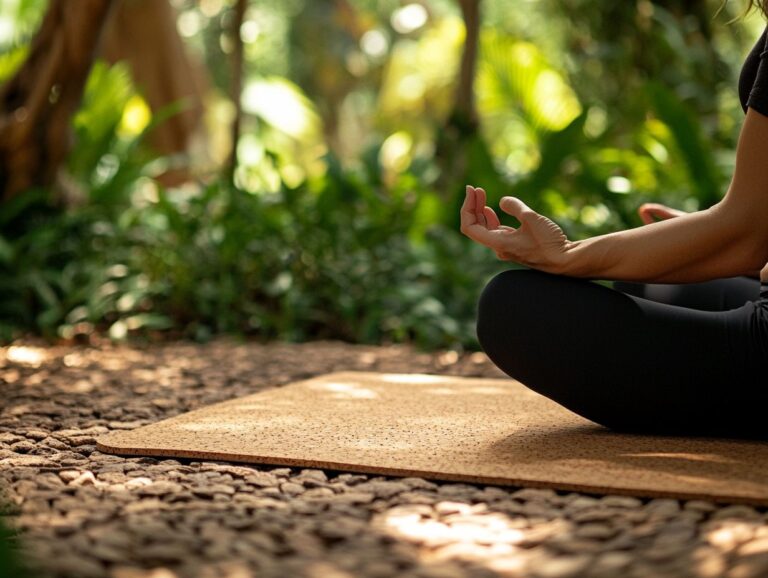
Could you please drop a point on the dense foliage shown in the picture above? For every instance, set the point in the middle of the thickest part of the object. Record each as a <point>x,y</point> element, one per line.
<point>342,221</point>
<point>336,258</point>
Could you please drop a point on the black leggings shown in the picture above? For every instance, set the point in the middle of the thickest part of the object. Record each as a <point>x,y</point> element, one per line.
<point>684,359</point>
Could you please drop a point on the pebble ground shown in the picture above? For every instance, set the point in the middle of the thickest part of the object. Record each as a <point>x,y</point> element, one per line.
<point>79,513</point>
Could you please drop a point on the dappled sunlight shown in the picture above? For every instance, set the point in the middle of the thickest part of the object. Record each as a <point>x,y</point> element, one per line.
<point>729,533</point>
<point>409,18</point>
<point>395,153</point>
<point>75,360</point>
<point>699,457</point>
<point>465,531</point>
<point>26,355</point>
<point>411,378</point>
<point>345,390</point>
<point>282,104</point>
<point>136,116</point>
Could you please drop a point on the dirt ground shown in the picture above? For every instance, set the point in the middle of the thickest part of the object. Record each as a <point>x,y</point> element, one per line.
<point>84,514</point>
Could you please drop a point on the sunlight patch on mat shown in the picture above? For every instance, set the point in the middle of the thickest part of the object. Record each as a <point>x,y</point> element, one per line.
<point>411,378</point>
<point>346,390</point>
<point>687,456</point>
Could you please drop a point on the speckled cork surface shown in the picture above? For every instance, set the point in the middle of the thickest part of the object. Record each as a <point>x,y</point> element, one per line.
<point>491,431</point>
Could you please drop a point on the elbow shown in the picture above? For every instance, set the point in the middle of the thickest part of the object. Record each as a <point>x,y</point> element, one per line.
<point>747,232</point>
<point>749,254</point>
<point>756,252</point>
<point>754,244</point>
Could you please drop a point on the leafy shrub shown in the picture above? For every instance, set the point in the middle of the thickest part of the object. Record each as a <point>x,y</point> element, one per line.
<point>340,257</point>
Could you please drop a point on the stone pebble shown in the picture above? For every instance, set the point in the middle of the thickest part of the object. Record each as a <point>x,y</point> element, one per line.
<point>595,531</point>
<point>275,519</point>
<point>704,506</point>
<point>736,511</point>
<point>614,501</point>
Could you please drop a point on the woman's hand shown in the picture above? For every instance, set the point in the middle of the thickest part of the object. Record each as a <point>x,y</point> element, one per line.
<point>538,242</point>
<point>648,211</point>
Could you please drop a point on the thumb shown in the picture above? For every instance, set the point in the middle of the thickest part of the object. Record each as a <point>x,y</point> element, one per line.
<point>517,208</point>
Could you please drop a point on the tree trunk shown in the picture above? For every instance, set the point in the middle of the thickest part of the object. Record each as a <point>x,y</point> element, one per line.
<point>464,106</point>
<point>452,141</point>
<point>236,88</point>
<point>37,103</point>
<point>144,34</point>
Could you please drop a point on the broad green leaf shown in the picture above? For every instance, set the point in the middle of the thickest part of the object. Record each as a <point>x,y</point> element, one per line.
<point>514,77</point>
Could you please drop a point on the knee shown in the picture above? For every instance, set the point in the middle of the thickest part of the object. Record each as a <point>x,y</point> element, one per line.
<point>505,295</point>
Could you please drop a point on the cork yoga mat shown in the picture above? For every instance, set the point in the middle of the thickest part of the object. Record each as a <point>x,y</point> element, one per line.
<point>488,431</point>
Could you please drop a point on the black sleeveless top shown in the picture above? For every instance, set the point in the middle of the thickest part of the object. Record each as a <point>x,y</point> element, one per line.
<point>753,79</point>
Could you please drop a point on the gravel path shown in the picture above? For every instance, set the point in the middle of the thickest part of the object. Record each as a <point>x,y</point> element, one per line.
<point>84,514</point>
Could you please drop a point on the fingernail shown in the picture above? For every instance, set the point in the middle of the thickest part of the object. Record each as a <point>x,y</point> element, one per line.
<point>468,188</point>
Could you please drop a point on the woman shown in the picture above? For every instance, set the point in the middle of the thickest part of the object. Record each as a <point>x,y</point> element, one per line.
<point>679,345</point>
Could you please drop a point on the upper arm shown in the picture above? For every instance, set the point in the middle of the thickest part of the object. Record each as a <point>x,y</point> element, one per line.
<point>744,209</point>
<point>745,206</point>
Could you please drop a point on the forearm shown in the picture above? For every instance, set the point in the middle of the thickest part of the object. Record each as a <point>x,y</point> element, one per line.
<point>687,249</point>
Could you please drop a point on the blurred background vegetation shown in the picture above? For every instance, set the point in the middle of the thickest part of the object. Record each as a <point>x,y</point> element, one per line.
<point>293,170</point>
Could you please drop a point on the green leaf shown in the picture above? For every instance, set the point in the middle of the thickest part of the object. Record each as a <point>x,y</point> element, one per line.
<point>515,76</point>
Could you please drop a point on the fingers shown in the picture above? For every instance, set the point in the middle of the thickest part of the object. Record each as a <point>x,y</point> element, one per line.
<point>492,221</point>
<point>485,236</point>
<point>486,231</point>
<point>468,214</point>
<point>480,200</point>
<point>469,200</point>
<point>474,203</point>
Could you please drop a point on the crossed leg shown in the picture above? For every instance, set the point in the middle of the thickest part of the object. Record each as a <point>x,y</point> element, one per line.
<point>715,295</point>
<point>627,362</point>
